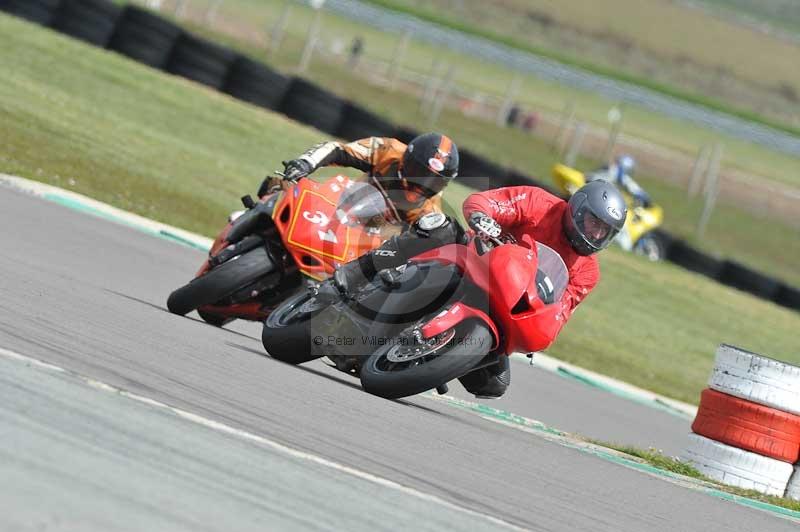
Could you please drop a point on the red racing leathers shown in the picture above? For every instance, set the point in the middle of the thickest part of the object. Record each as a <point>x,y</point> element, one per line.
<point>539,214</point>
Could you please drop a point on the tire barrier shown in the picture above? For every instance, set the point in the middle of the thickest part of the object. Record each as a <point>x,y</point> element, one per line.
<point>200,60</point>
<point>90,20</point>
<point>793,488</point>
<point>144,37</point>
<point>406,135</point>
<point>312,105</point>
<point>749,426</point>
<point>756,378</point>
<point>747,429</point>
<point>39,11</point>
<point>739,276</point>
<point>788,296</point>
<point>695,260</point>
<point>736,467</point>
<point>358,123</point>
<point>477,172</point>
<point>256,83</point>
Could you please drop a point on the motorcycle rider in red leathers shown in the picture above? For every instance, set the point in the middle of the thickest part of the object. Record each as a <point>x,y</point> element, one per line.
<point>576,230</point>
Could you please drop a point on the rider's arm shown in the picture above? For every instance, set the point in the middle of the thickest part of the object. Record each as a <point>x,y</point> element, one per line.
<point>582,279</point>
<point>511,206</point>
<point>629,185</point>
<point>363,154</point>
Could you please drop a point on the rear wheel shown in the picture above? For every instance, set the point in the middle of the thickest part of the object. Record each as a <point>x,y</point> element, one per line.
<point>224,280</point>
<point>408,367</point>
<point>287,330</point>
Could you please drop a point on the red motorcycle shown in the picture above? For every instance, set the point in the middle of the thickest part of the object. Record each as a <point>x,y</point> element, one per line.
<point>445,313</point>
<point>300,232</point>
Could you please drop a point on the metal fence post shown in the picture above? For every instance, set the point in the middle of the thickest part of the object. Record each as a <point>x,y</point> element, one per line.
<point>180,8</point>
<point>431,85</point>
<point>575,146</point>
<point>211,13</point>
<point>699,170</point>
<point>444,92</point>
<point>508,100</point>
<point>311,40</point>
<point>278,30</point>
<point>567,116</point>
<point>615,117</point>
<point>711,190</point>
<point>397,59</point>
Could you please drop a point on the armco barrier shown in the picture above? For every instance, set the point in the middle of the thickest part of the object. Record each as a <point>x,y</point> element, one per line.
<point>311,104</point>
<point>256,83</point>
<point>741,277</point>
<point>90,20</point>
<point>479,173</point>
<point>144,37</point>
<point>149,39</point>
<point>359,123</point>
<point>39,11</point>
<point>200,60</point>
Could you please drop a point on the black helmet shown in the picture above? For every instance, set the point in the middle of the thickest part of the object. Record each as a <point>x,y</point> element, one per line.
<point>596,213</point>
<point>429,163</point>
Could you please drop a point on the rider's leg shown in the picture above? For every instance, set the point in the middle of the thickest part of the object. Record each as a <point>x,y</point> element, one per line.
<point>489,383</point>
<point>429,232</point>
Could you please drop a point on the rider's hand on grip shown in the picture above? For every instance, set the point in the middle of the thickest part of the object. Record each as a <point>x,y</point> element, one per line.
<point>296,169</point>
<point>484,225</point>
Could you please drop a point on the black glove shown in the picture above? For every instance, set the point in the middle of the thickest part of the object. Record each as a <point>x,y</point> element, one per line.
<point>296,169</point>
<point>484,225</point>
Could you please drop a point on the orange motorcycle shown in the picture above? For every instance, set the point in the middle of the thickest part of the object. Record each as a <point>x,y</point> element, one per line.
<point>295,236</point>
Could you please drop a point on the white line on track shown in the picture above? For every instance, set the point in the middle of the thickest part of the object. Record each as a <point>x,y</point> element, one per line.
<point>221,427</point>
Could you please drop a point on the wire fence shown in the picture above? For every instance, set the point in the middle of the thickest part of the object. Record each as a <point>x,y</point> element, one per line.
<point>553,71</point>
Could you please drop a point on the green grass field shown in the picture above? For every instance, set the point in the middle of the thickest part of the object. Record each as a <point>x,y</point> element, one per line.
<point>251,20</point>
<point>668,46</point>
<point>99,124</point>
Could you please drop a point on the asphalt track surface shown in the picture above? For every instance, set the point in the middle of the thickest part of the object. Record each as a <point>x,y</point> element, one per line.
<point>89,296</point>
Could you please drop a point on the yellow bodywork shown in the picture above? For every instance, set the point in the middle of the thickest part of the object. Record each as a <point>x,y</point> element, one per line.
<point>639,221</point>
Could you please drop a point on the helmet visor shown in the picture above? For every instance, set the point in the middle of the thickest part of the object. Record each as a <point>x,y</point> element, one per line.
<point>423,179</point>
<point>596,232</point>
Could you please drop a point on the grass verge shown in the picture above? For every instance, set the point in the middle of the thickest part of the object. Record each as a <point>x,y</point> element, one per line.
<point>96,123</point>
<point>448,22</point>
<point>657,459</point>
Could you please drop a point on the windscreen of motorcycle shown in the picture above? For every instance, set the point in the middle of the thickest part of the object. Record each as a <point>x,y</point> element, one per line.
<point>555,274</point>
<point>362,204</point>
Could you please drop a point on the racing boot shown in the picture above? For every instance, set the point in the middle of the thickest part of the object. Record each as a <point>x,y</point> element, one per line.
<point>489,383</point>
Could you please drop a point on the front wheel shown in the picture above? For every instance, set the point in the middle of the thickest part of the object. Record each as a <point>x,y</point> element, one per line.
<point>223,281</point>
<point>407,367</point>
<point>287,330</point>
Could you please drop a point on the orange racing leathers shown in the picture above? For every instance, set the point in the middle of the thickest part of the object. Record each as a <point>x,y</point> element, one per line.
<point>377,157</point>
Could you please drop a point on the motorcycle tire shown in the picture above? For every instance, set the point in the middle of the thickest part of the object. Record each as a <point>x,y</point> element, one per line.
<point>224,280</point>
<point>470,344</point>
<point>214,319</point>
<point>287,331</point>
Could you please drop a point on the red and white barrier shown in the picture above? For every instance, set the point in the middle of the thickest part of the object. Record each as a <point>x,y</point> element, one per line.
<point>747,429</point>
